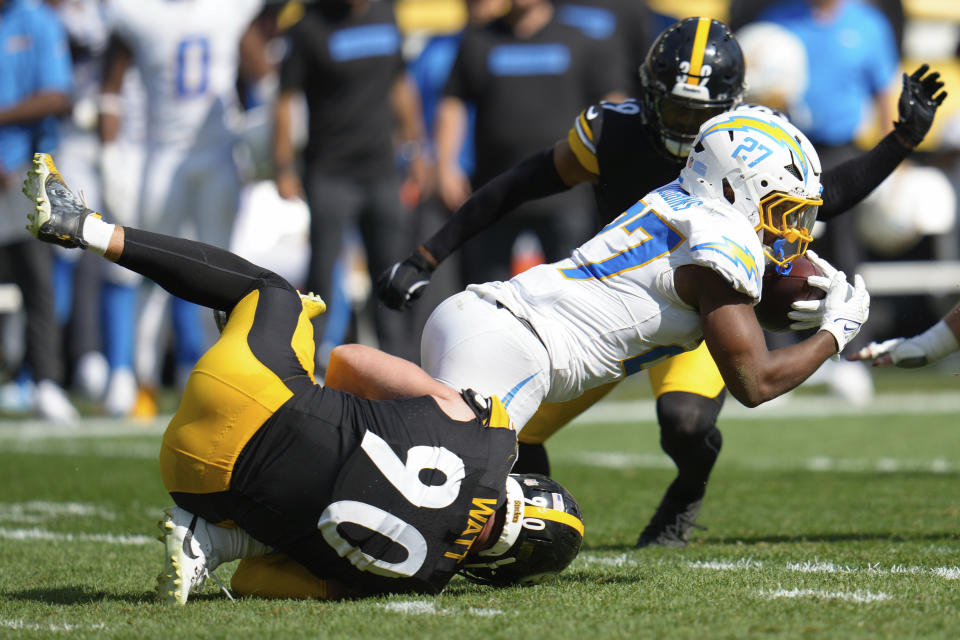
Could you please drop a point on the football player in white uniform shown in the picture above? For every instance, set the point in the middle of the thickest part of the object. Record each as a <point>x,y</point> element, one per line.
<point>109,301</point>
<point>681,266</point>
<point>188,53</point>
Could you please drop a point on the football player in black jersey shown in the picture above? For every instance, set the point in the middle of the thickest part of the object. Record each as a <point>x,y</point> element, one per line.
<point>693,71</point>
<point>391,492</point>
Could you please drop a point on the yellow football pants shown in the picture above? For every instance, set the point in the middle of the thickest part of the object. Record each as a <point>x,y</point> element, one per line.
<point>692,371</point>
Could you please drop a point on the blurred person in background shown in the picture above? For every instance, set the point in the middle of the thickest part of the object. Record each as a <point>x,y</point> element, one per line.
<point>344,57</point>
<point>188,53</point>
<point>624,25</point>
<point>430,70</point>
<point>524,72</point>
<point>102,301</point>
<point>35,86</point>
<point>853,61</point>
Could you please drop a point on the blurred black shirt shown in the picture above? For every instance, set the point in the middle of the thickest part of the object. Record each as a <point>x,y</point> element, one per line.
<point>346,66</point>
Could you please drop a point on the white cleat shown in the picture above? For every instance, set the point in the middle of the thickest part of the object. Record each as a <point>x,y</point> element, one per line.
<point>121,393</point>
<point>51,403</point>
<point>91,375</point>
<point>186,549</point>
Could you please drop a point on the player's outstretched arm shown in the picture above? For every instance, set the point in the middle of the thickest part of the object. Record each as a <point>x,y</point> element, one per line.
<point>543,174</point>
<point>751,372</point>
<point>371,373</point>
<point>938,341</point>
<point>850,182</point>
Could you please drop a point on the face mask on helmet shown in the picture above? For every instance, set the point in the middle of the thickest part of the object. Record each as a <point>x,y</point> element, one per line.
<point>693,72</point>
<point>787,223</point>
<point>765,168</point>
<point>541,535</point>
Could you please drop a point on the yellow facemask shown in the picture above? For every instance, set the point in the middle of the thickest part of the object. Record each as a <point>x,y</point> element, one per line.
<point>791,219</point>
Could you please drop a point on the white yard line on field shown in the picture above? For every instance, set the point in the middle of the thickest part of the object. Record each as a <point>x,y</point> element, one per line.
<point>417,607</point>
<point>749,564</point>
<point>41,534</point>
<point>815,566</point>
<point>106,448</point>
<point>808,406</point>
<point>727,565</point>
<point>621,460</point>
<point>32,429</point>
<point>861,597</point>
<point>35,511</point>
<point>20,625</point>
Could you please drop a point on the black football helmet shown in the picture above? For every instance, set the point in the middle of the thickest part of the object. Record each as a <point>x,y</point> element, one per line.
<point>693,71</point>
<point>541,535</point>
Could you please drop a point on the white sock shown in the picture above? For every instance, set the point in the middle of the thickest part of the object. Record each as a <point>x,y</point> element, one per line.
<point>97,233</point>
<point>232,543</point>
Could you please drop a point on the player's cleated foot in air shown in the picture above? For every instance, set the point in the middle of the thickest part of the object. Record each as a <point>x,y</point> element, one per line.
<point>58,214</point>
<point>670,525</point>
<point>186,549</point>
<point>313,304</point>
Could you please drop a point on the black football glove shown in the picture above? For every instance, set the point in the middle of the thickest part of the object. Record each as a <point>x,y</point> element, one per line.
<point>404,282</point>
<point>918,104</point>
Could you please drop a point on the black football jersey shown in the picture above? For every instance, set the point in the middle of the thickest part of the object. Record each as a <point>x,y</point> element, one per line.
<point>412,498</point>
<point>346,69</point>
<point>611,140</point>
<point>384,496</point>
<point>525,89</point>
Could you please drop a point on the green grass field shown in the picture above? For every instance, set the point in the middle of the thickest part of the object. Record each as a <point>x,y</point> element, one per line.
<point>822,520</point>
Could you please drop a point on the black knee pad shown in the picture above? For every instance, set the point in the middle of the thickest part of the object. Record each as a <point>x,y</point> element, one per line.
<point>688,425</point>
<point>532,458</point>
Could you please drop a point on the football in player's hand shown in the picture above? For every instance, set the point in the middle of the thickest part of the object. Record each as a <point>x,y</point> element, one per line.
<point>779,292</point>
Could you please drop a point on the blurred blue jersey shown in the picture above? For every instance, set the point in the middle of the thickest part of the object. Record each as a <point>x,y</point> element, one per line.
<point>430,71</point>
<point>34,57</point>
<point>852,57</point>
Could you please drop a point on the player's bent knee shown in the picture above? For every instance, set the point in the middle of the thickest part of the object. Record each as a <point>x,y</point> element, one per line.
<point>532,458</point>
<point>687,415</point>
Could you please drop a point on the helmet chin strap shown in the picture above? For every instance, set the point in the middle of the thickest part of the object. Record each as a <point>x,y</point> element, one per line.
<point>785,267</point>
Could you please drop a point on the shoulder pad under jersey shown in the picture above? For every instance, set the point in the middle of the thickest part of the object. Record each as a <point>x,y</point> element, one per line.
<point>721,239</point>
<point>583,137</point>
<point>594,121</point>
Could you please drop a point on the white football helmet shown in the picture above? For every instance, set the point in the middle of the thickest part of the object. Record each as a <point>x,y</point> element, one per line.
<point>767,169</point>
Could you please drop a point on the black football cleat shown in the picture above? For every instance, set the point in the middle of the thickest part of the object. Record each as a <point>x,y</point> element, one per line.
<point>58,214</point>
<point>670,526</point>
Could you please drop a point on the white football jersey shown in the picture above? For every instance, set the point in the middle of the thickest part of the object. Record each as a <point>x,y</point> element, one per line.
<point>187,52</point>
<point>611,309</point>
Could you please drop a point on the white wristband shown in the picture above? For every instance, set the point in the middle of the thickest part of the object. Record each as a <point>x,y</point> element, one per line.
<point>937,341</point>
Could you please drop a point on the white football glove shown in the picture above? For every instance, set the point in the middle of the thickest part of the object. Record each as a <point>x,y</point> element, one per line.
<point>909,353</point>
<point>808,314</point>
<point>845,308</point>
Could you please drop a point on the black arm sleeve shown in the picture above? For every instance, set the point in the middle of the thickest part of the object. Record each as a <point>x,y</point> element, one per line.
<point>850,182</point>
<point>197,272</point>
<point>535,177</point>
